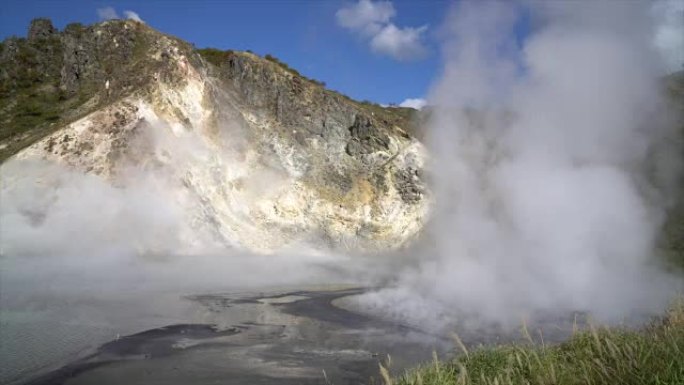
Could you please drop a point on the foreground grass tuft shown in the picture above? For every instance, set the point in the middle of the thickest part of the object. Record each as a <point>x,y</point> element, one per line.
<point>611,356</point>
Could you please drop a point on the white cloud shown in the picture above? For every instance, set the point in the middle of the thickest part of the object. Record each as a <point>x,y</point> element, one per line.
<point>372,21</point>
<point>669,32</point>
<point>417,103</point>
<point>107,13</point>
<point>366,16</point>
<point>133,16</point>
<point>400,43</point>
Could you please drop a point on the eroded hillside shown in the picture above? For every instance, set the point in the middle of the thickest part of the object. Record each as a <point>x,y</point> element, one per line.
<point>254,154</point>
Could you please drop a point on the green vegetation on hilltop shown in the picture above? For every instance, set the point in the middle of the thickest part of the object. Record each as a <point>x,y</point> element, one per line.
<point>608,356</point>
<point>219,57</point>
<point>52,78</point>
<point>291,70</point>
<point>30,97</point>
<point>215,56</point>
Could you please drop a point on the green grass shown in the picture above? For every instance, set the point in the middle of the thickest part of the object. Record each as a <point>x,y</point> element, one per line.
<point>30,99</point>
<point>215,56</point>
<point>606,356</point>
<point>35,101</point>
<point>291,70</point>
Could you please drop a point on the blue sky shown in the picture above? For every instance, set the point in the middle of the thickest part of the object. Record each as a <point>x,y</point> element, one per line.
<point>385,52</point>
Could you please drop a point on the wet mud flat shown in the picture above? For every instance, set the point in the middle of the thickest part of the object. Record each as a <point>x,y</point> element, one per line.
<point>296,337</point>
<point>286,337</point>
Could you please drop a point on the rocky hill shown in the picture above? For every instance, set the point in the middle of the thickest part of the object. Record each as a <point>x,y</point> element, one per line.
<point>256,155</point>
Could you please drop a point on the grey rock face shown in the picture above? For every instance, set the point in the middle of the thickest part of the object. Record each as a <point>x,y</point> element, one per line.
<point>41,29</point>
<point>407,182</point>
<point>295,101</point>
<point>360,140</point>
<point>93,56</point>
<point>366,138</point>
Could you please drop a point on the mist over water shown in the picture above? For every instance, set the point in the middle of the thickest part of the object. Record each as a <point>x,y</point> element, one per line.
<point>63,230</point>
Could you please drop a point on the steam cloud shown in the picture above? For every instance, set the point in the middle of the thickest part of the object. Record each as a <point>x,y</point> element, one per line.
<point>67,234</point>
<point>549,197</point>
<point>109,13</point>
<point>416,103</point>
<point>133,16</point>
<point>669,37</point>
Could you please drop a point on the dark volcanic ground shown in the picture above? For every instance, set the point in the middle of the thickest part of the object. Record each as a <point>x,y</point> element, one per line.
<point>294,338</point>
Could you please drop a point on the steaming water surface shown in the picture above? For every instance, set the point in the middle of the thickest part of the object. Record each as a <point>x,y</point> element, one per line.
<point>48,330</point>
<point>278,335</point>
<point>271,336</point>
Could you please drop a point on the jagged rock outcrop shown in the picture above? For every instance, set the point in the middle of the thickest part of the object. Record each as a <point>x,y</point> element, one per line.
<point>366,138</point>
<point>41,29</point>
<point>256,155</point>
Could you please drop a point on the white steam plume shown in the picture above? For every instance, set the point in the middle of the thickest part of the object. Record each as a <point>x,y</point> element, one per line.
<point>109,13</point>
<point>540,152</point>
<point>669,36</point>
<point>417,103</point>
<point>133,16</point>
<point>143,230</point>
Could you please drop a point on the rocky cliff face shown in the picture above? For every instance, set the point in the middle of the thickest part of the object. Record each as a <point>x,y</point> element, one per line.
<point>255,155</point>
